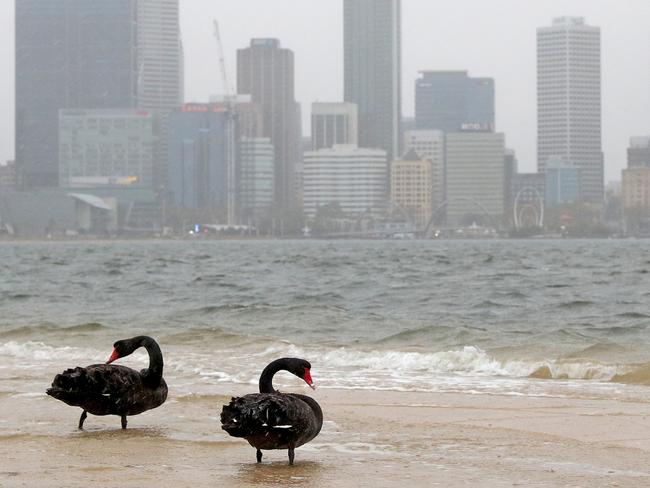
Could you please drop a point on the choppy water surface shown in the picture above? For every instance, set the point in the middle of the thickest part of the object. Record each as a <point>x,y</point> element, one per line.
<point>434,316</point>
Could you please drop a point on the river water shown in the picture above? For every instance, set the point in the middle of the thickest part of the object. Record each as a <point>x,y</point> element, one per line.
<point>478,316</point>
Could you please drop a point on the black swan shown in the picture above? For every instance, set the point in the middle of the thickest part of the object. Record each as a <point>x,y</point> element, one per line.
<point>273,420</point>
<point>109,389</point>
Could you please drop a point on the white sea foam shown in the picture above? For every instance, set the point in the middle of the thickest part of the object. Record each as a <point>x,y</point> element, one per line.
<point>41,352</point>
<point>468,369</point>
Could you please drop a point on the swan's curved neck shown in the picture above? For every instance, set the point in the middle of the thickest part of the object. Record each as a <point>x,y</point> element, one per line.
<point>155,371</point>
<point>266,379</point>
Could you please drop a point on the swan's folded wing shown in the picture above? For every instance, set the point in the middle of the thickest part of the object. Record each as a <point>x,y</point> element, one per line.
<point>263,412</point>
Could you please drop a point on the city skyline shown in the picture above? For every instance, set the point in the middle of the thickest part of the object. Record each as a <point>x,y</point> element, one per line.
<point>319,59</point>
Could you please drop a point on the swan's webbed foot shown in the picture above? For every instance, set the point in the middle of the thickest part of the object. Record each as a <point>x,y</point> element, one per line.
<point>291,456</point>
<point>123,422</point>
<point>82,419</point>
<point>259,455</point>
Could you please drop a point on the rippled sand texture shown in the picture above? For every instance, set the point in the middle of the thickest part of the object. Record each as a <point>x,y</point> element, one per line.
<point>370,439</point>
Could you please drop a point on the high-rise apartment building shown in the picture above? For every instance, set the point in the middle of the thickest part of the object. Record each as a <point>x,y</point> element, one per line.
<point>411,187</point>
<point>69,54</point>
<point>452,101</point>
<point>8,177</point>
<point>354,178</point>
<point>333,123</point>
<point>569,101</point>
<point>562,182</point>
<point>430,144</point>
<point>265,71</point>
<point>636,189</point>
<point>638,153</point>
<point>475,177</point>
<point>372,52</point>
<point>255,175</point>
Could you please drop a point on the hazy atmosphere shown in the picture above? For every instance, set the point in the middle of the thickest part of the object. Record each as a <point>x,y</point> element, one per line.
<point>493,38</point>
<point>335,243</point>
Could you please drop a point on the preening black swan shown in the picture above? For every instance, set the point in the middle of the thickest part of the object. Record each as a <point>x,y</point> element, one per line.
<point>109,389</point>
<point>273,420</point>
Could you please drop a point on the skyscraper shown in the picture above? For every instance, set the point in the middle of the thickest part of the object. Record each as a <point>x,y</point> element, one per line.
<point>452,101</point>
<point>160,55</point>
<point>372,44</point>
<point>266,72</point>
<point>569,101</point>
<point>160,72</point>
<point>69,54</point>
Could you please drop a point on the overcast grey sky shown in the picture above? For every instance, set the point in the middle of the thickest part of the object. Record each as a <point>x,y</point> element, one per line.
<point>494,38</point>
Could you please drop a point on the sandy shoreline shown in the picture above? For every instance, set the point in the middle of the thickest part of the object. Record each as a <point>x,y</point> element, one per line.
<point>370,438</point>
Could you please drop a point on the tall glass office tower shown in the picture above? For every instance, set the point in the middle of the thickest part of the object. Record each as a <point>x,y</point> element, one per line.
<point>372,43</point>
<point>569,101</point>
<point>69,54</point>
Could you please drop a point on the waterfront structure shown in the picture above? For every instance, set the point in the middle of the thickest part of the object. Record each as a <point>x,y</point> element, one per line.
<point>203,158</point>
<point>636,188</point>
<point>411,188</point>
<point>372,70</point>
<point>569,101</point>
<point>430,144</point>
<point>562,182</point>
<point>638,154</point>
<point>69,54</point>
<point>333,123</point>
<point>102,147</point>
<point>475,177</point>
<point>256,173</point>
<point>452,101</point>
<point>265,71</point>
<point>352,177</point>
<point>526,208</point>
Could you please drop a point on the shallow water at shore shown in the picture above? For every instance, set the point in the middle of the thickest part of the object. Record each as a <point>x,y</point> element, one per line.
<point>439,363</point>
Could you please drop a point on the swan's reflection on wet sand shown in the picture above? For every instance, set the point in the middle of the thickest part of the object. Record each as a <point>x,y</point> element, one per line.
<point>279,473</point>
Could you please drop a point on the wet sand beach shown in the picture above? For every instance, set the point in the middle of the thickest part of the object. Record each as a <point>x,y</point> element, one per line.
<point>370,438</point>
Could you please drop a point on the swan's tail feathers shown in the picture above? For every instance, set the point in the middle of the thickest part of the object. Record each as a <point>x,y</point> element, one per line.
<point>71,385</point>
<point>252,414</point>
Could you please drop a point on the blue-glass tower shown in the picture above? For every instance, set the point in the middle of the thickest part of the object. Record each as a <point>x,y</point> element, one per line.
<point>452,101</point>
<point>202,156</point>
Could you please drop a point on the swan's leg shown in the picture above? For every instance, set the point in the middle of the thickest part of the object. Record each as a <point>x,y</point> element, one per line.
<point>259,455</point>
<point>291,455</point>
<point>123,421</point>
<point>82,419</point>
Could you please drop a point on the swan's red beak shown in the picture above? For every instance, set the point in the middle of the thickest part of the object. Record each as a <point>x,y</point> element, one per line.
<point>113,357</point>
<point>308,380</point>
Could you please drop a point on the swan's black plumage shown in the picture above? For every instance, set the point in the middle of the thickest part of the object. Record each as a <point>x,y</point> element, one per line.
<point>108,389</point>
<point>274,420</point>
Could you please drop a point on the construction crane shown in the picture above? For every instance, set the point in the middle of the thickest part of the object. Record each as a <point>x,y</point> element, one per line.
<point>231,178</point>
<point>228,92</point>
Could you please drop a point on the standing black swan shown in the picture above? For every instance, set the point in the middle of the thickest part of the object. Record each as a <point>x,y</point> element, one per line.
<point>108,389</point>
<point>273,420</point>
